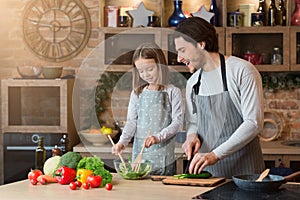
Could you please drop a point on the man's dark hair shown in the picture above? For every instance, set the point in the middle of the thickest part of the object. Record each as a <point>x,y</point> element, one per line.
<point>196,29</point>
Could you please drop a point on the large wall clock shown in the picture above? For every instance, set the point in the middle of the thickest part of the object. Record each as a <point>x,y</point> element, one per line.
<point>56,30</point>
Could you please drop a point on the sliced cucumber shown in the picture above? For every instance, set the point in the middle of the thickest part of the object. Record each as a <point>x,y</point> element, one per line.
<point>203,174</point>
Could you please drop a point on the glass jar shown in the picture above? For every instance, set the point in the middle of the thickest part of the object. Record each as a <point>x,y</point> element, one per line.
<point>153,21</point>
<point>276,58</point>
<point>123,21</point>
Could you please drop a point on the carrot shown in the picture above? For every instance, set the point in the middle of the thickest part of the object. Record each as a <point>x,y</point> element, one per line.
<point>43,179</point>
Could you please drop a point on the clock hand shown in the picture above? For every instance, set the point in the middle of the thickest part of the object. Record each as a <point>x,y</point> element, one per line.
<point>49,25</point>
<point>40,24</point>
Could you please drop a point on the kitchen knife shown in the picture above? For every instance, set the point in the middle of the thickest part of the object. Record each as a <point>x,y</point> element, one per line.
<point>187,166</point>
<point>189,162</point>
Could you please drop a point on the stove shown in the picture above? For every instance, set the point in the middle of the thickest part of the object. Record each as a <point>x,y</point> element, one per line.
<point>232,192</point>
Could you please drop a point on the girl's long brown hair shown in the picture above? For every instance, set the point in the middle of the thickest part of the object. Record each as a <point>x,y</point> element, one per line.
<point>150,51</point>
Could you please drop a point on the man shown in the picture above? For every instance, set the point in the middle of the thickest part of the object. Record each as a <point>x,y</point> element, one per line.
<point>224,100</point>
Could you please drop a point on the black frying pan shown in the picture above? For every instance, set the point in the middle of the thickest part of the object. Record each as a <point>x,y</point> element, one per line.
<point>270,182</point>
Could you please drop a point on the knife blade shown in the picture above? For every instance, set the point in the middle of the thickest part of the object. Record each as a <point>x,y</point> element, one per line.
<point>189,162</point>
<point>187,166</point>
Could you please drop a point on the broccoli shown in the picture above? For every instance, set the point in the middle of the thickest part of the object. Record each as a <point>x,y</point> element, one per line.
<point>70,159</point>
<point>97,166</point>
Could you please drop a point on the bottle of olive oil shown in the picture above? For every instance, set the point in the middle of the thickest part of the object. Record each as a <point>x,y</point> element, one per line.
<point>40,154</point>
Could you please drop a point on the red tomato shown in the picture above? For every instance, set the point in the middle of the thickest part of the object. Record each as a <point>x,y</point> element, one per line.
<point>34,174</point>
<point>33,181</point>
<point>108,186</point>
<point>78,183</point>
<point>73,186</point>
<point>86,185</point>
<point>94,181</point>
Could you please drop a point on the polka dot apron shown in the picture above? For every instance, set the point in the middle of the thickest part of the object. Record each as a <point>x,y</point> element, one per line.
<point>154,114</point>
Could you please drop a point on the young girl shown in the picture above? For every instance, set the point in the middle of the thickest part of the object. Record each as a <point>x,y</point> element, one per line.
<point>155,111</point>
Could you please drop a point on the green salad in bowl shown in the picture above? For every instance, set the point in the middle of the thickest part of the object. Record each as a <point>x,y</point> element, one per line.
<point>128,170</point>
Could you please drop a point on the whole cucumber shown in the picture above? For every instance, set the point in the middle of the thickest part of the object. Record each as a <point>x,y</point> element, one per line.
<point>203,174</point>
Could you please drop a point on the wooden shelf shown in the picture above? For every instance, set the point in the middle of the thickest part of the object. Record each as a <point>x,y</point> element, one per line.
<point>232,40</point>
<point>272,68</point>
<point>128,68</point>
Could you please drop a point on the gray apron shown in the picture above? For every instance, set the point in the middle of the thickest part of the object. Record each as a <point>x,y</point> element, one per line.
<point>217,120</point>
<point>154,113</point>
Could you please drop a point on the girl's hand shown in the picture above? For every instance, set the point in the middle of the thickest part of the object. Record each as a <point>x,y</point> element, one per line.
<point>117,148</point>
<point>150,140</point>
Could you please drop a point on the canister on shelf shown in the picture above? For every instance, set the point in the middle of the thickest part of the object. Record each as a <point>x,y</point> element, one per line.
<point>111,14</point>
<point>234,19</point>
<point>123,21</point>
<point>153,21</point>
<point>258,19</point>
<point>247,9</point>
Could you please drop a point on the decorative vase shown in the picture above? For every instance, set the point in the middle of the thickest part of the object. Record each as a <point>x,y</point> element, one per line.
<point>177,15</point>
<point>295,18</point>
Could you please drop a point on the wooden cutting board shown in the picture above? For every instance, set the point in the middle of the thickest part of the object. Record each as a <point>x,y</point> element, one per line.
<point>209,182</point>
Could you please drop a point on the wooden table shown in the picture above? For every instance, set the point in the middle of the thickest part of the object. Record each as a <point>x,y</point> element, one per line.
<point>122,189</point>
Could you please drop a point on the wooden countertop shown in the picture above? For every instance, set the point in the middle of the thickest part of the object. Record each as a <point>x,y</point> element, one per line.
<point>273,147</point>
<point>122,189</point>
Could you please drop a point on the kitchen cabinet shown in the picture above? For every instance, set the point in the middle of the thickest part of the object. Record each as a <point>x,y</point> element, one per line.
<point>295,48</point>
<point>277,154</point>
<point>253,39</point>
<point>118,45</point>
<point>232,40</point>
<point>38,106</point>
<point>285,160</point>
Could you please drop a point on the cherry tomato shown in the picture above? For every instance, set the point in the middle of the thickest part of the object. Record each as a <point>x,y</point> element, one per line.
<point>86,185</point>
<point>33,181</point>
<point>34,174</point>
<point>78,183</point>
<point>73,186</point>
<point>108,186</point>
<point>94,181</point>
